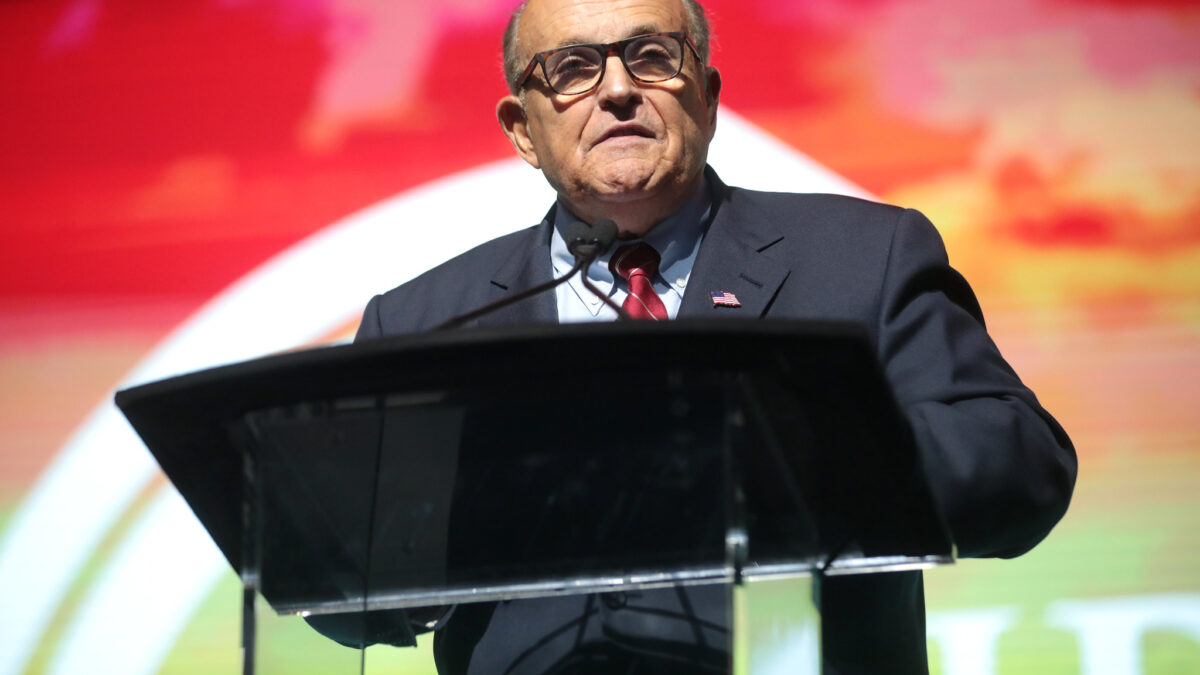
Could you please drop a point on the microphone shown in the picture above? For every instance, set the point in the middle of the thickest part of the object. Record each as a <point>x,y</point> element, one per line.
<point>586,243</point>
<point>590,242</point>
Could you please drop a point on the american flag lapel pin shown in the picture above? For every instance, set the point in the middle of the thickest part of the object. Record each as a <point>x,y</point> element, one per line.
<point>724,299</point>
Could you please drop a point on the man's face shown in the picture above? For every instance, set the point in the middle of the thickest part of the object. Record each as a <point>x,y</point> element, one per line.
<point>626,150</point>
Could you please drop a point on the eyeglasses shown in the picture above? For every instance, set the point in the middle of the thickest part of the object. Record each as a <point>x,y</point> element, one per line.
<point>577,69</point>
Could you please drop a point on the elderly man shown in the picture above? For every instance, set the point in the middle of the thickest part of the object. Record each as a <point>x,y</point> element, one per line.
<point>615,102</point>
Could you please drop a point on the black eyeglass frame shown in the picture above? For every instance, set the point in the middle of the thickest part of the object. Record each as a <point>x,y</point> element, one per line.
<point>607,49</point>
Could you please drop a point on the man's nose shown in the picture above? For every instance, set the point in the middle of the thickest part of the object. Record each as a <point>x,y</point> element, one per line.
<point>617,87</point>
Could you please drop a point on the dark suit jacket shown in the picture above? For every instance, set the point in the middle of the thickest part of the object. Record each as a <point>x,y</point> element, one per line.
<point>1000,467</point>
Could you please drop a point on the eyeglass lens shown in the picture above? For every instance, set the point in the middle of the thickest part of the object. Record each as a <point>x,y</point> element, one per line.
<point>652,58</point>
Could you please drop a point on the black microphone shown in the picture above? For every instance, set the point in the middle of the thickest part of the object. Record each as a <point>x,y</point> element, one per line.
<point>586,243</point>
<point>576,234</point>
<point>590,242</point>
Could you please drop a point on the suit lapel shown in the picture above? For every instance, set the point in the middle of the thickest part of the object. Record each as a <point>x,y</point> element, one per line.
<point>527,266</point>
<point>731,259</point>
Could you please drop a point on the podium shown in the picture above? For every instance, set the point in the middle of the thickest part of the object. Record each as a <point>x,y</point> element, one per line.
<point>374,488</point>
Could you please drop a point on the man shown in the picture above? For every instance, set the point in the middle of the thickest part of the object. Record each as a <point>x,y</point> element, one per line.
<point>616,104</point>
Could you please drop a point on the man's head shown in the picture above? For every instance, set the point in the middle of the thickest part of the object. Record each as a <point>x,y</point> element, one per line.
<point>628,150</point>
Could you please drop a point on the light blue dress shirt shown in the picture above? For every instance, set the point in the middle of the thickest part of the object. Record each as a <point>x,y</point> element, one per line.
<point>677,240</point>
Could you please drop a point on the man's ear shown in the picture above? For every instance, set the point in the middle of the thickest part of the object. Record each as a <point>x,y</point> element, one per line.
<point>513,121</point>
<point>712,89</point>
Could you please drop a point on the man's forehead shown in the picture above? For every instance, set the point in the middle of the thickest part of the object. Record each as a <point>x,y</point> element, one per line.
<point>630,31</point>
<point>546,24</point>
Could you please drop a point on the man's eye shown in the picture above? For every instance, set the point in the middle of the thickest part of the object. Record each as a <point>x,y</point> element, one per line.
<point>653,62</point>
<point>651,53</point>
<point>574,63</point>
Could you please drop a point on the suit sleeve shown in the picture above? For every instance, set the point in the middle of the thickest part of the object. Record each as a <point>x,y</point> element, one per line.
<point>1000,467</point>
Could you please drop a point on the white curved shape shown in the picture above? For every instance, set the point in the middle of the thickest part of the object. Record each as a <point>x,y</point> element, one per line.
<point>296,297</point>
<point>87,486</point>
<point>181,572</point>
<point>749,157</point>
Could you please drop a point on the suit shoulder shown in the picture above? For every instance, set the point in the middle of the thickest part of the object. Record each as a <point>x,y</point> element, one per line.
<point>856,242</point>
<point>479,259</point>
<point>448,288</point>
<point>814,207</point>
<point>828,221</point>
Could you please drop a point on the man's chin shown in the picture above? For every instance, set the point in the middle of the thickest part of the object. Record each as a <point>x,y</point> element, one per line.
<point>627,181</point>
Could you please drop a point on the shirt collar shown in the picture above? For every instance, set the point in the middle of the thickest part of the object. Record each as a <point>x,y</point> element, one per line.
<point>677,240</point>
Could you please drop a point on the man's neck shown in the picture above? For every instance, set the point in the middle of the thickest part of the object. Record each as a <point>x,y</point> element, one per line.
<point>635,217</point>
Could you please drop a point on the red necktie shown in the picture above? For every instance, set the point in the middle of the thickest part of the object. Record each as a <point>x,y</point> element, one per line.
<point>637,264</point>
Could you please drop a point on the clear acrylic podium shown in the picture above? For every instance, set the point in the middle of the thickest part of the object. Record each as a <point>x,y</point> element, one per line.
<point>359,486</point>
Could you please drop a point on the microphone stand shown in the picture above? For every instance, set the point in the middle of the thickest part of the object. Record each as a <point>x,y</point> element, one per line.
<point>587,254</point>
<point>586,244</point>
<point>622,315</point>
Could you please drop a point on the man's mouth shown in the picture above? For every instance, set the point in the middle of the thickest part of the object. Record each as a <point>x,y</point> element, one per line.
<point>626,131</point>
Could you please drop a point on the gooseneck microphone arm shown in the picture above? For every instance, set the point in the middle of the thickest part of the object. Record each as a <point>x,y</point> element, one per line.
<point>603,234</point>
<point>622,315</point>
<point>459,320</point>
<point>585,243</point>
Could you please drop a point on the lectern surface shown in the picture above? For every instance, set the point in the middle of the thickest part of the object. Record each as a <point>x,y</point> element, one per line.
<point>545,460</point>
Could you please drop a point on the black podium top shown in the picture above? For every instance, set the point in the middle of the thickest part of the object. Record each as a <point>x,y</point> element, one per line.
<point>527,461</point>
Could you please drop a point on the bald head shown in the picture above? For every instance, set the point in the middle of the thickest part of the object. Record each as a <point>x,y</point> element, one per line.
<point>515,61</point>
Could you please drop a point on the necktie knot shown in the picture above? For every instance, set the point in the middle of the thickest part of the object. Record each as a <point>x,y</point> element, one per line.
<point>634,259</point>
<point>637,264</point>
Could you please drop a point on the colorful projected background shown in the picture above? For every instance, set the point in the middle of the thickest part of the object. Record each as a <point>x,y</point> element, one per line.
<point>192,182</point>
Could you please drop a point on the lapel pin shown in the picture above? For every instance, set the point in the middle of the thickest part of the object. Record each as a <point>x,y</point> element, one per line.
<point>724,299</point>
